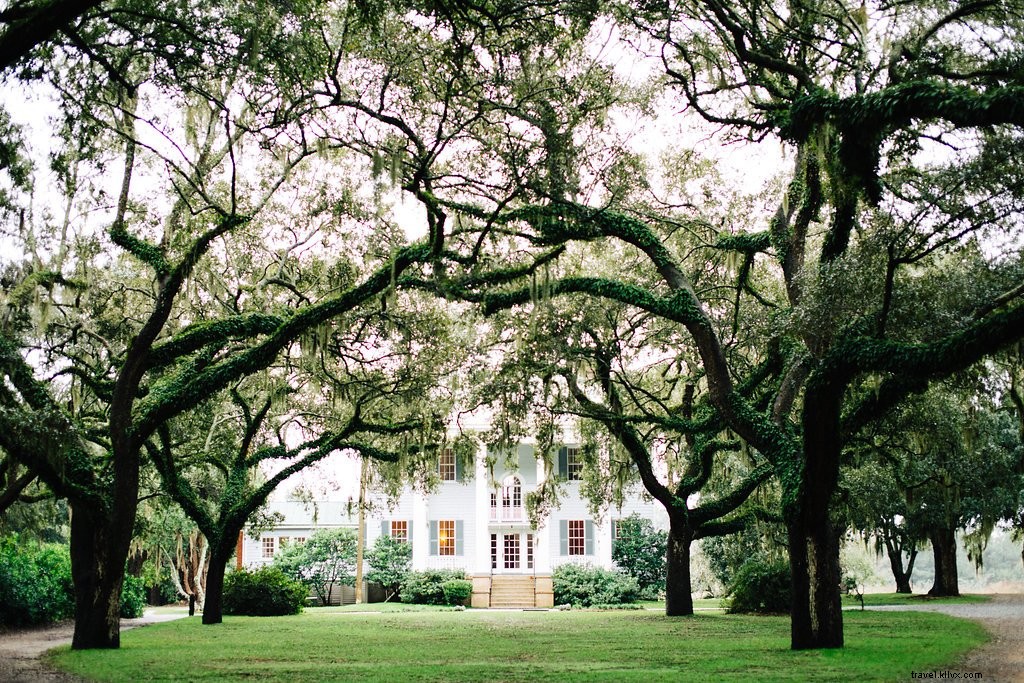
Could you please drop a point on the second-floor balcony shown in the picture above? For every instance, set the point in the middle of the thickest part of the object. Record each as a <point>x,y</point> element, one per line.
<point>508,513</point>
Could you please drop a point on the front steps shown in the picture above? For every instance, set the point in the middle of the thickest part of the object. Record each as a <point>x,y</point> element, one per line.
<point>512,591</point>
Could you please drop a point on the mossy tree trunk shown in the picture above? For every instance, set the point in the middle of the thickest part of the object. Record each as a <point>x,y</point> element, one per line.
<point>817,618</point>
<point>946,582</point>
<point>678,591</point>
<point>900,573</point>
<point>99,549</point>
<point>213,609</point>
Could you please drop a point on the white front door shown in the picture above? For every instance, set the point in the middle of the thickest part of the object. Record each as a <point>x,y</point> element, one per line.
<point>511,560</point>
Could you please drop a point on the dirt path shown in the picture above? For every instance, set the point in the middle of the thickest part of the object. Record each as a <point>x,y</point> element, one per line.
<point>20,650</point>
<point>1002,660</point>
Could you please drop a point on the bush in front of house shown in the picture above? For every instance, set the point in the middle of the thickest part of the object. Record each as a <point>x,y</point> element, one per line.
<point>264,592</point>
<point>390,561</point>
<point>35,582</point>
<point>583,585</point>
<point>457,591</point>
<point>427,587</point>
<point>760,585</point>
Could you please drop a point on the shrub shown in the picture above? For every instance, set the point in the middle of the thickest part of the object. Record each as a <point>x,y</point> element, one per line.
<point>761,586</point>
<point>35,583</point>
<point>262,593</point>
<point>427,588</point>
<point>133,597</point>
<point>390,561</point>
<point>324,559</point>
<point>639,551</point>
<point>457,591</point>
<point>586,586</point>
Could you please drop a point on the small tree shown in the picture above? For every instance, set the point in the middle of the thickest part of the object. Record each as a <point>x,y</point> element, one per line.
<point>390,562</point>
<point>639,551</point>
<point>326,558</point>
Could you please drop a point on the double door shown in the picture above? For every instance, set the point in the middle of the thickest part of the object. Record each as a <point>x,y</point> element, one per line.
<point>511,552</point>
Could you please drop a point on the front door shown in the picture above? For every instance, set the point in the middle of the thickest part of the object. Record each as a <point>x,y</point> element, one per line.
<point>511,551</point>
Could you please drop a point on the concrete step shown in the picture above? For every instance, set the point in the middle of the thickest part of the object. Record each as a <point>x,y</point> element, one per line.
<point>512,591</point>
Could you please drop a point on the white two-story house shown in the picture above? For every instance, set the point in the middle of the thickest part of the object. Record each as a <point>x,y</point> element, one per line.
<point>475,520</point>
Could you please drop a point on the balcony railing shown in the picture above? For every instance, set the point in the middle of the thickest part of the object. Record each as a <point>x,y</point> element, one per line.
<point>508,513</point>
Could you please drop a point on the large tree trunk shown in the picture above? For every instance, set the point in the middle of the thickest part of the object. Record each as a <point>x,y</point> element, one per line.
<point>99,548</point>
<point>944,549</point>
<point>678,593</point>
<point>213,609</point>
<point>894,551</point>
<point>817,615</point>
<point>901,575</point>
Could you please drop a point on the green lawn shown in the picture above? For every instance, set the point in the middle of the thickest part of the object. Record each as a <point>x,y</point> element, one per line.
<point>480,645</point>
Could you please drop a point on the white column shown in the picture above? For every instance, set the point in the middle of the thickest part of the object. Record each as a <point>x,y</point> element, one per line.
<point>482,510</point>
<point>421,531</point>
<point>541,542</point>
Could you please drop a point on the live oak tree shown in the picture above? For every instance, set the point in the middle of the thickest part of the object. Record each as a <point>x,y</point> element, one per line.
<point>956,459</point>
<point>617,369</point>
<point>365,383</point>
<point>202,185</point>
<point>877,509</point>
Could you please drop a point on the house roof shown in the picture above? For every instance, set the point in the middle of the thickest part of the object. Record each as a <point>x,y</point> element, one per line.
<point>318,513</point>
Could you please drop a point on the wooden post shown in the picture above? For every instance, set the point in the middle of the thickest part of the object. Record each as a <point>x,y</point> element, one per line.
<point>361,531</point>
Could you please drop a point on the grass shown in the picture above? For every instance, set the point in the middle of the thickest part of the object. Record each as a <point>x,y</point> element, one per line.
<point>482,645</point>
<point>879,599</point>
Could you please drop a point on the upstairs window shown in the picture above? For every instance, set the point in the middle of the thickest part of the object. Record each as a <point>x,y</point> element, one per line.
<point>570,463</point>
<point>446,465</point>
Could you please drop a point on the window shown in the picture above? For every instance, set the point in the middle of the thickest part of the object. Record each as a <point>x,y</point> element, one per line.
<point>616,529</point>
<point>300,539</point>
<point>268,546</point>
<point>512,494</point>
<point>446,465</point>
<point>400,530</point>
<point>529,551</point>
<point>570,463</point>
<point>577,537</point>
<point>282,542</point>
<point>494,551</point>
<point>446,537</point>
<point>574,465</point>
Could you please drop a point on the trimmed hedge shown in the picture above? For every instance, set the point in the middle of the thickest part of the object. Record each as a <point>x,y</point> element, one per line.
<point>428,587</point>
<point>588,586</point>
<point>264,592</point>
<point>457,591</point>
